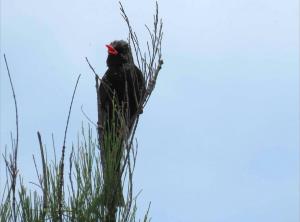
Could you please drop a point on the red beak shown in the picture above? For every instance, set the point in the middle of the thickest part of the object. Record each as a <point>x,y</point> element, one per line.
<point>111,50</point>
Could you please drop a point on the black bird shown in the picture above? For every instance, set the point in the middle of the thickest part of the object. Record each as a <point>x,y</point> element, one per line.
<point>123,82</point>
<point>121,90</point>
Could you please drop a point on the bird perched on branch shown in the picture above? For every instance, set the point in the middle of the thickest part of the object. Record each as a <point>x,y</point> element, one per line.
<point>123,82</point>
<point>121,90</point>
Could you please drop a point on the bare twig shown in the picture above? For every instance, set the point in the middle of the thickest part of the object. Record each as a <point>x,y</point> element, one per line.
<point>61,169</point>
<point>87,117</point>
<point>16,107</point>
<point>13,160</point>
<point>92,68</point>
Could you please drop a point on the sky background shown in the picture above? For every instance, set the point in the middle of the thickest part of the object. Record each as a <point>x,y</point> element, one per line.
<point>219,139</point>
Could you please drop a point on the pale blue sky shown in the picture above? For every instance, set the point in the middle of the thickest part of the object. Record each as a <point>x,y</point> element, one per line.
<point>219,139</point>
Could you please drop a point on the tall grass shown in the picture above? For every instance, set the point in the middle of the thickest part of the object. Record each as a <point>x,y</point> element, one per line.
<point>83,191</point>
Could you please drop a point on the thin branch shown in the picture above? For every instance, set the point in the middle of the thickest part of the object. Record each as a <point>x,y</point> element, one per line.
<point>70,109</point>
<point>16,107</point>
<point>92,68</point>
<point>87,117</point>
<point>61,170</point>
<point>14,167</point>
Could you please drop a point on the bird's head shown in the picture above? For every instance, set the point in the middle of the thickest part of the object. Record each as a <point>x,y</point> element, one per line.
<point>118,53</point>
